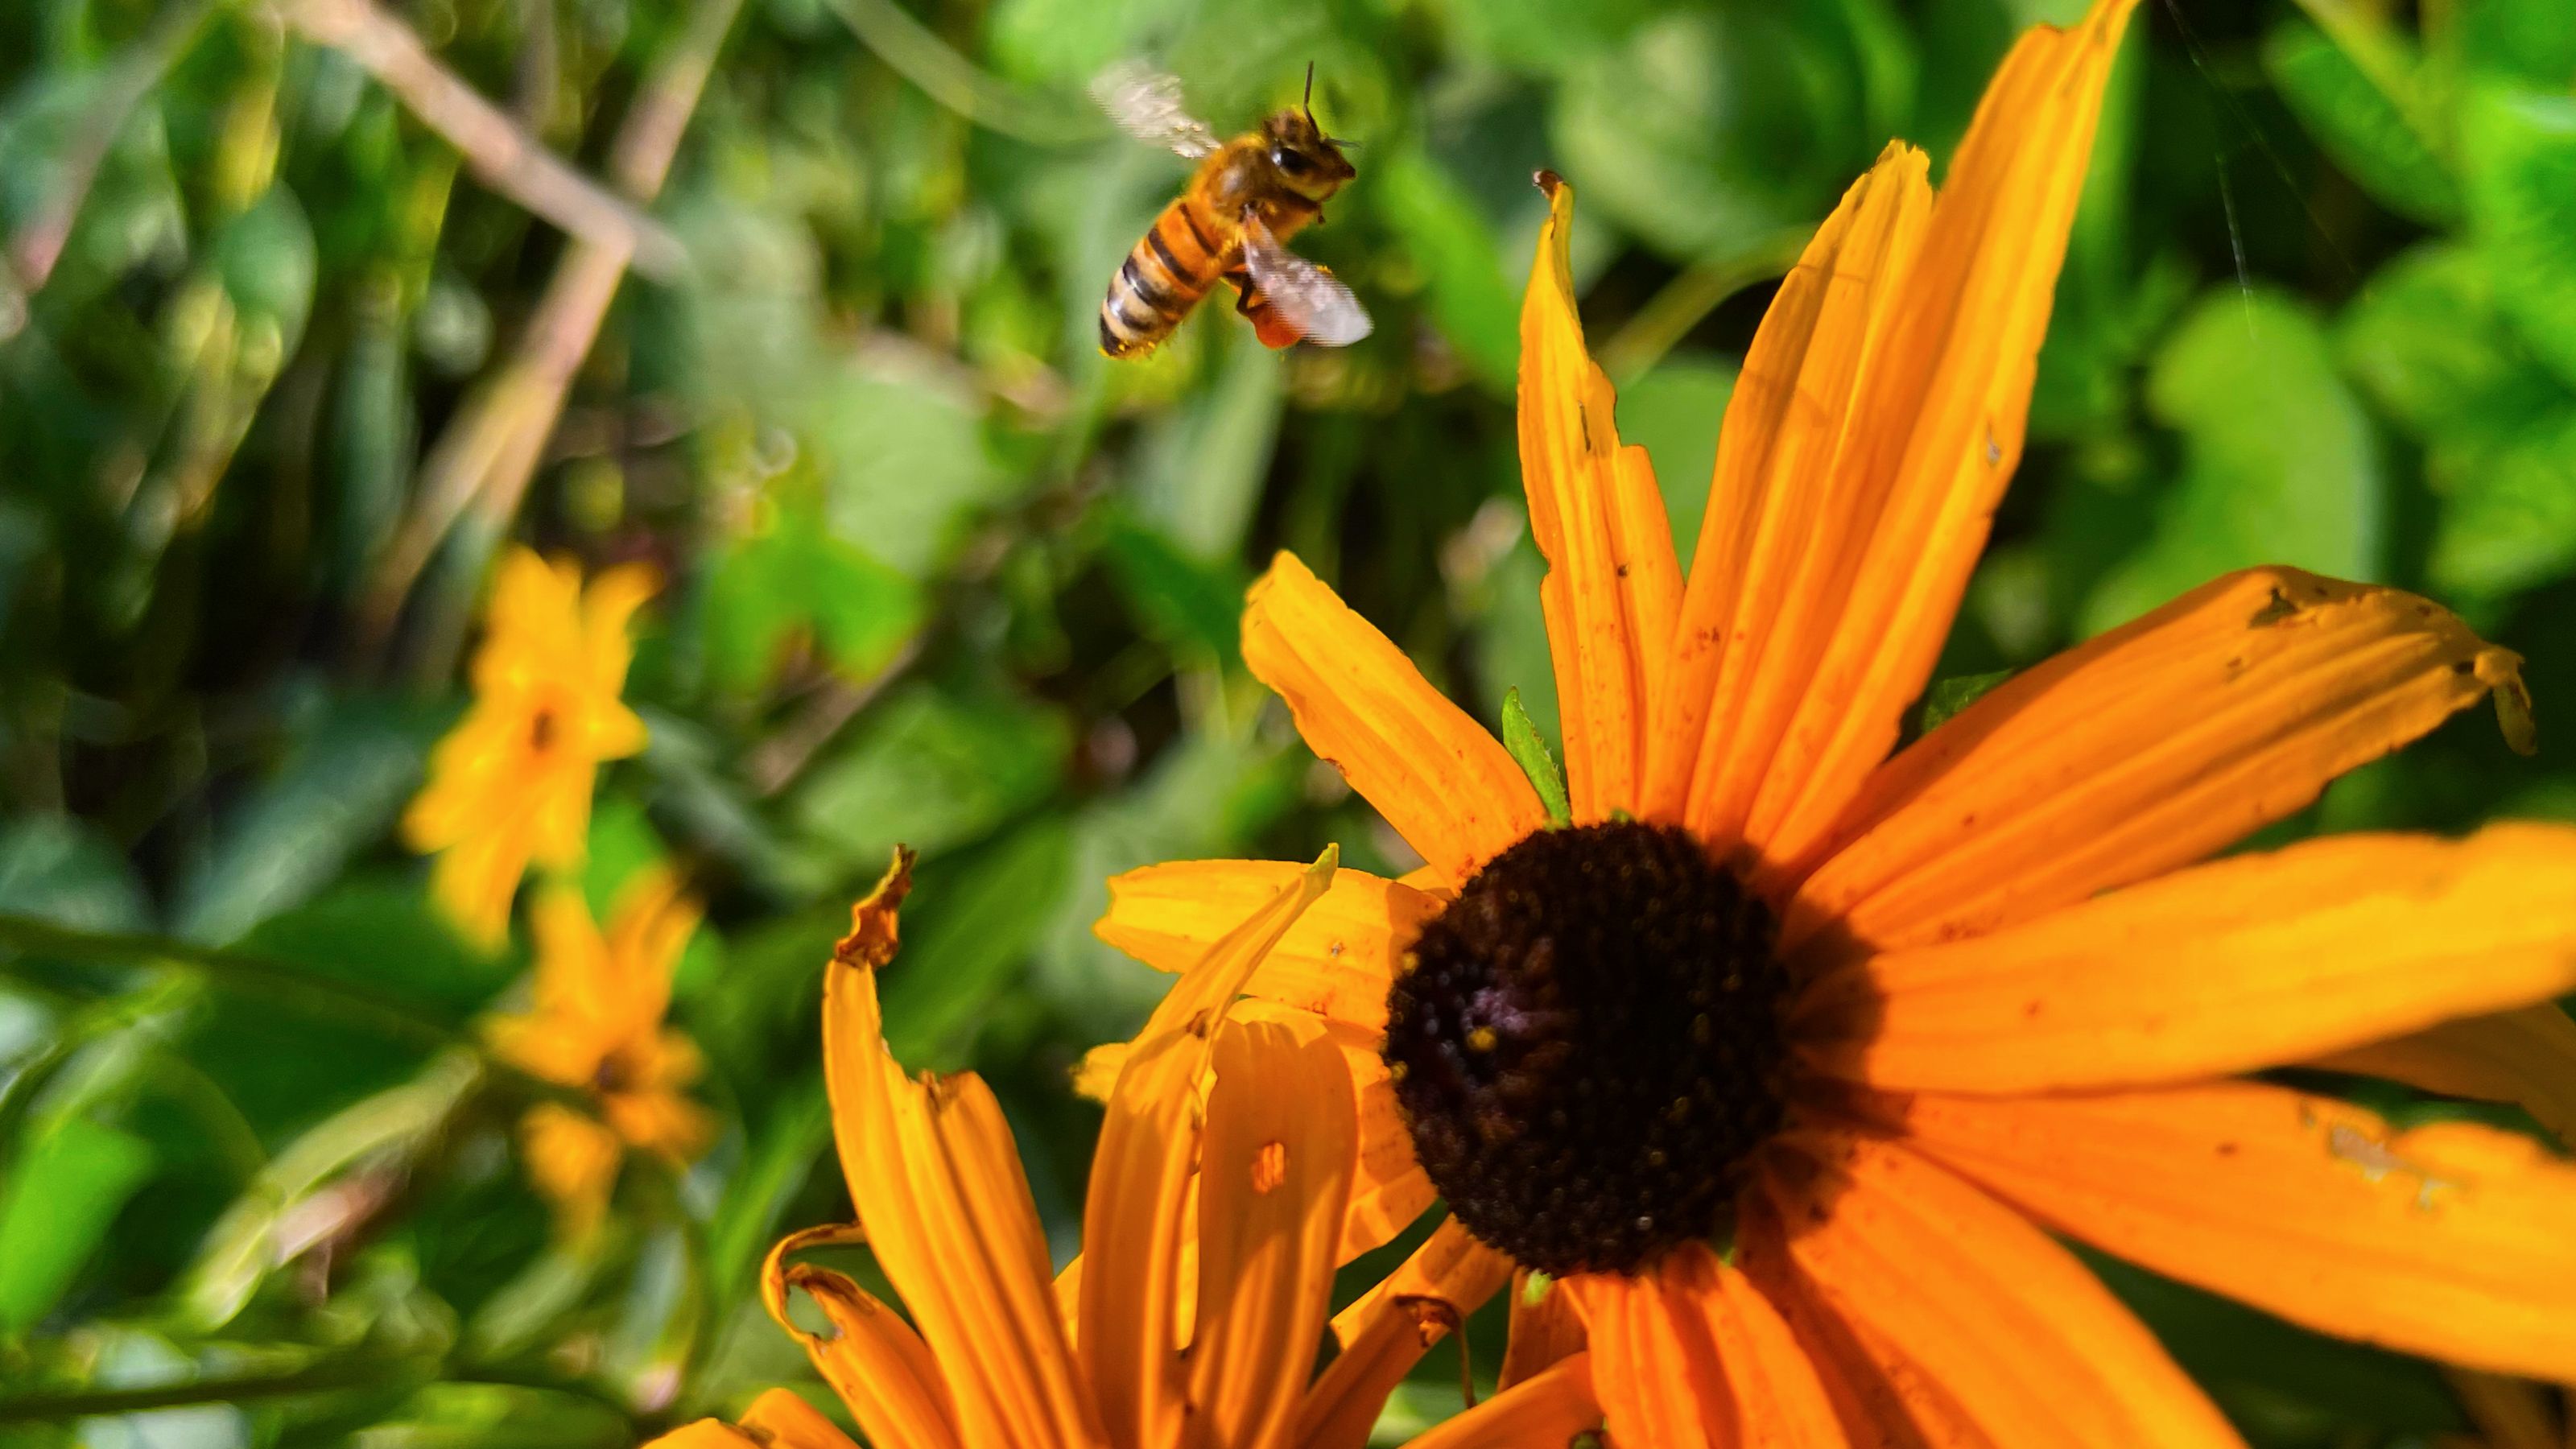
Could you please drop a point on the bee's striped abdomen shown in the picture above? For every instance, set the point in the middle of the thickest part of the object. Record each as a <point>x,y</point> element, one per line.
<point>1163,277</point>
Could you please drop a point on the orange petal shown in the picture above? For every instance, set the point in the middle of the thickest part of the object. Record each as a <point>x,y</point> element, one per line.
<point>1274,1173</point>
<point>1546,1327</point>
<point>1659,1382</point>
<point>2145,749</point>
<point>1693,1354</point>
<point>1388,1330</point>
<point>574,1161</point>
<point>1940,413</point>
<point>1779,1399</point>
<point>1389,1188</point>
<point>2030,1347</point>
<point>2526,1056</point>
<point>1880,1397</point>
<point>1096,1075</point>
<point>779,1419</point>
<point>607,612</point>
<point>649,927</point>
<point>1448,787</point>
<point>1545,1412</point>
<point>1612,585</point>
<point>1720,717</point>
<point>1337,961</point>
<point>937,1182</point>
<point>2245,963</point>
<point>2450,1240</point>
<point>1137,1209</point>
<point>475,880</point>
<point>1842,530</point>
<point>876,1363</point>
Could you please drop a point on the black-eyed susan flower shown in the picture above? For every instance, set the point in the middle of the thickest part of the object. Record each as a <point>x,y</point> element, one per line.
<point>595,1025</point>
<point>1210,1234</point>
<point>1780,1066</point>
<point>512,782</point>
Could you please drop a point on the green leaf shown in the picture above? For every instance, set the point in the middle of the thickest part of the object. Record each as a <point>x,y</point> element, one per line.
<point>266,255</point>
<point>2508,507</point>
<point>2425,341</point>
<point>2364,130</point>
<point>1536,761</point>
<point>1461,260</point>
<point>1709,129</point>
<point>2499,431</point>
<point>1209,796</point>
<point>337,791</point>
<point>1543,37</point>
<point>380,933</point>
<point>2530,40</point>
<point>1185,604</point>
<point>903,461</point>
<point>971,925</point>
<point>2518,150</point>
<point>61,870</point>
<point>1947,697</point>
<point>2280,465</point>
<point>793,581</point>
<point>1674,411</point>
<point>61,1193</point>
<point>932,770</point>
<point>387,1131</point>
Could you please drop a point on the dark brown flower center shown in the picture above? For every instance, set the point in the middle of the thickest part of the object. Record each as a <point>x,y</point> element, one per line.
<point>1587,1045</point>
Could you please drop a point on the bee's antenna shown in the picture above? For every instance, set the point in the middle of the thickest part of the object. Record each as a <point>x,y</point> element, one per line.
<point>1308,104</point>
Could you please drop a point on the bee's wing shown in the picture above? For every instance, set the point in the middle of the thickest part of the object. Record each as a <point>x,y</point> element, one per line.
<point>1146,104</point>
<point>1309,298</point>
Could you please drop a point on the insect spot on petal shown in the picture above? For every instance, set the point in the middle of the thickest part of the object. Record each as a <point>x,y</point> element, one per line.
<point>1269,1167</point>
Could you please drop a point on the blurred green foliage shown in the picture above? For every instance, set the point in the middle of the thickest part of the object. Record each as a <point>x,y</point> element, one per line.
<point>937,573</point>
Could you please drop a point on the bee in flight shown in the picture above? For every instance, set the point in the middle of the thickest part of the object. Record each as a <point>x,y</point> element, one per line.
<point>1248,196</point>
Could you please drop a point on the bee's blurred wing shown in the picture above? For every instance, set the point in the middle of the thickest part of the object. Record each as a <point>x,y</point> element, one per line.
<point>1306,296</point>
<point>1146,104</point>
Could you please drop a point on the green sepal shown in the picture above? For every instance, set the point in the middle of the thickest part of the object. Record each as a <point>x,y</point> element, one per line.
<point>1521,738</point>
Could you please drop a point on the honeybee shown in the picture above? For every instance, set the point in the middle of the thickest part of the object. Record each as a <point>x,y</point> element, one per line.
<point>1248,196</point>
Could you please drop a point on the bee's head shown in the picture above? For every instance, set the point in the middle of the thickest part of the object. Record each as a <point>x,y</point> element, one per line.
<point>1309,162</point>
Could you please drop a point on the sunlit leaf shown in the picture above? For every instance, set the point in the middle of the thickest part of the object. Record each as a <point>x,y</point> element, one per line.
<point>64,1186</point>
<point>2359,125</point>
<point>2519,151</point>
<point>929,769</point>
<point>2279,464</point>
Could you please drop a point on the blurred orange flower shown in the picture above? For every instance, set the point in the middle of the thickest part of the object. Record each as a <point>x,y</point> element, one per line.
<point>596,1025</point>
<point>1210,1237</point>
<point>1791,1054</point>
<point>512,782</point>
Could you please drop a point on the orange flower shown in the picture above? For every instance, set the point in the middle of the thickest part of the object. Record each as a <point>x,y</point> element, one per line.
<point>596,1025</point>
<point>1210,1236</point>
<point>512,782</point>
<point>1791,1060</point>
